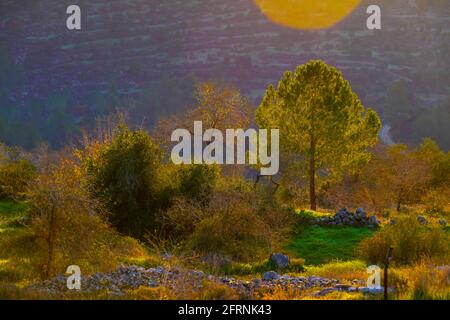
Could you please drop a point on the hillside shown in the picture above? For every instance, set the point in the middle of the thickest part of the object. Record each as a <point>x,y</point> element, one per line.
<point>128,45</point>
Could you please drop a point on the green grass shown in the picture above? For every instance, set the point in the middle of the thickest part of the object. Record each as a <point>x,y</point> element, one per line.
<point>11,209</point>
<point>338,268</point>
<point>319,245</point>
<point>258,268</point>
<point>10,213</point>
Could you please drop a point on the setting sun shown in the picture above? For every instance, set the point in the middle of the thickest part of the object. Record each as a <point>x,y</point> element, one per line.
<point>307,14</point>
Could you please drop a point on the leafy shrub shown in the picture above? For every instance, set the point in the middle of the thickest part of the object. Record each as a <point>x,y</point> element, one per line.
<point>125,174</point>
<point>411,242</point>
<point>197,181</point>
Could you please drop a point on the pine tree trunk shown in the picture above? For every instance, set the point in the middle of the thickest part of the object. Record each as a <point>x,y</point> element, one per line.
<point>312,176</point>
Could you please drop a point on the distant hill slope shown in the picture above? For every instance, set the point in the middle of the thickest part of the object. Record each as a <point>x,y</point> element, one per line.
<point>130,43</point>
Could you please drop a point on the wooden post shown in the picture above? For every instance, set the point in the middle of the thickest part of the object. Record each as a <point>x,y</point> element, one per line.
<point>386,267</point>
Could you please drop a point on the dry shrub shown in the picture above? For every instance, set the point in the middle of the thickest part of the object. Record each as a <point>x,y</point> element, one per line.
<point>217,291</point>
<point>15,177</point>
<point>208,291</point>
<point>436,201</point>
<point>146,293</point>
<point>182,217</point>
<point>67,227</point>
<point>283,293</point>
<point>236,222</point>
<point>233,229</point>
<point>12,292</point>
<point>411,242</point>
<point>423,281</point>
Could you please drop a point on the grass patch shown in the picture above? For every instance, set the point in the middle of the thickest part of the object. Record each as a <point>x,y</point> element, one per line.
<point>353,269</point>
<point>320,245</point>
<point>11,209</point>
<point>10,214</point>
<point>258,268</point>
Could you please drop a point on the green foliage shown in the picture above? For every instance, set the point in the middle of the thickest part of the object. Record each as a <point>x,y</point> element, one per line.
<point>12,209</point>
<point>318,245</point>
<point>125,174</point>
<point>12,215</point>
<point>322,120</point>
<point>411,242</point>
<point>196,182</point>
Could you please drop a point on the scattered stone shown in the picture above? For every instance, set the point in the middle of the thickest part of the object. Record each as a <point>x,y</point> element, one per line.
<point>373,290</point>
<point>422,219</point>
<point>280,260</point>
<point>374,221</point>
<point>270,275</point>
<point>342,287</point>
<point>443,222</point>
<point>361,214</point>
<point>126,278</point>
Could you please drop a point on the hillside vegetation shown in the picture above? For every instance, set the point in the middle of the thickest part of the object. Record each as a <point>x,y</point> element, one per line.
<point>141,227</point>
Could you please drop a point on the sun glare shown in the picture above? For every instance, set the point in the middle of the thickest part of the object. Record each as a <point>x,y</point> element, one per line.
<point>307,14</point>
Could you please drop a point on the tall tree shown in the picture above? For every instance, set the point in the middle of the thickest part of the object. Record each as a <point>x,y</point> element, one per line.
<point>320,119</point>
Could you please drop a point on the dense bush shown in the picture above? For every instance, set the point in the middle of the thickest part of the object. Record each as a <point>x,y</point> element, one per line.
<point>126,174</point>
<point>196,182</point>
<point>411,242</point>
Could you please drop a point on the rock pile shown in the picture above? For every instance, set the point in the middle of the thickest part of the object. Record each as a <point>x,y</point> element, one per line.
<point>132,277</point>
<point>346,218</point>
